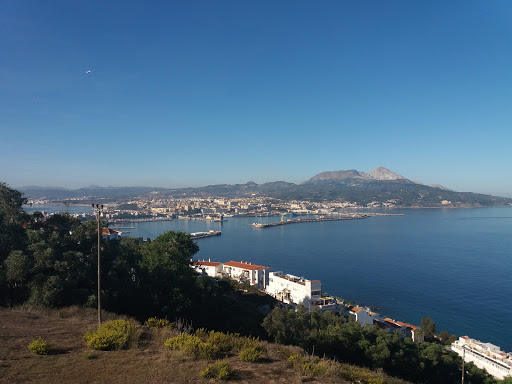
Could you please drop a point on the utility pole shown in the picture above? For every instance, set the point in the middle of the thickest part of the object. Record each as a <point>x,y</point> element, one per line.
<point>463,358</point>
<point>98,210</point>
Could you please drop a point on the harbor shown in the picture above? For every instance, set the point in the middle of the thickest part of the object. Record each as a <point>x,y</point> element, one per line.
<point>310,220</point>
<point>201,235</point>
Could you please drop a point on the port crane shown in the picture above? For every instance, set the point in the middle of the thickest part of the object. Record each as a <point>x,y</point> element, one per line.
<point>282,216</point>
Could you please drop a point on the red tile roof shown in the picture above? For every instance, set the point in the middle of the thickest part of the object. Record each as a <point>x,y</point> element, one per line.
<point>207,263</point>
<point>391,323</point>
<point>242,265</point>
<point>413,327</point>
<point>108,231</point>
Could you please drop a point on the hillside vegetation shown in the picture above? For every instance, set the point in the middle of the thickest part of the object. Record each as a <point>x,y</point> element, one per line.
<point>146,360</point>
<point>52,264</point>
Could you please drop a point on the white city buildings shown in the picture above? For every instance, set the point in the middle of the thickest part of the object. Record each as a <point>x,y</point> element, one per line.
<point>292,289</point>
<point>484,355</point>
<point>295,290</point>
<point>110,234</point>
<point>246,272</point>
<point>363,316</point>
<point>211,268</point>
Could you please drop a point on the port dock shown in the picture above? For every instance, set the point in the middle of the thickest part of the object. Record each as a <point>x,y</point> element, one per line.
<point>201,235</point>
<point>309,220</point>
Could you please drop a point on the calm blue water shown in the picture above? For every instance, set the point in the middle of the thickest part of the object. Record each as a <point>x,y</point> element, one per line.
<point>59,208</point>
<point>454,265</point>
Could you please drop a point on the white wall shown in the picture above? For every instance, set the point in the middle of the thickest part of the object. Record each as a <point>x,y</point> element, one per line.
<point>289,291</point>
<point>494,368</point>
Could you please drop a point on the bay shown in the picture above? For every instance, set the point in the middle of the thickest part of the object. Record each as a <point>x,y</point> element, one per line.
<point>454,265</point>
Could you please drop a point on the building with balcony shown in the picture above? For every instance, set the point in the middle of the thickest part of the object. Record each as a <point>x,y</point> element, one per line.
<point>293,289</point>
<point>211,268</point>
<point>246,272</point>
<point>484,355</point>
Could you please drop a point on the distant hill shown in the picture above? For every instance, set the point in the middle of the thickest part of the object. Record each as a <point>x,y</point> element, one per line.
<point>380,185</point>
<point>93,191</point>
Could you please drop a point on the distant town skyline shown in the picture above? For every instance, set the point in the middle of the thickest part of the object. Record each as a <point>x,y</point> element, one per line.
<point>196,93</point>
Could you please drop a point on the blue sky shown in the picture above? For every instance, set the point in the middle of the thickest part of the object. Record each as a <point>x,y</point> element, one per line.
<point>190,93</point>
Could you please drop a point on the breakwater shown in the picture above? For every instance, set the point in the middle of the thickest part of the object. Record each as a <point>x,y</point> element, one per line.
<point>200,235</point>
<point>309,220</point>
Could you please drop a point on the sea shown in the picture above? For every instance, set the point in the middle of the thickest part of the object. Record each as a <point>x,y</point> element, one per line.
<point>452,265</point>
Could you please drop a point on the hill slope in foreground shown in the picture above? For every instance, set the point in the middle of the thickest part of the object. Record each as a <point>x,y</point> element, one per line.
<point>71,361</point>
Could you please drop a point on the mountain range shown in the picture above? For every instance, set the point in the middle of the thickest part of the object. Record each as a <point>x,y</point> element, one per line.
<point>380,185</point>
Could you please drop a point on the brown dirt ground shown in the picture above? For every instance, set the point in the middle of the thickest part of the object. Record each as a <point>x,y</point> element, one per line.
<point>71,361</point>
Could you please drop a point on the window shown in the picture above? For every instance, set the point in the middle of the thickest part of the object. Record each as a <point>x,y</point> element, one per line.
<point>315,293</point>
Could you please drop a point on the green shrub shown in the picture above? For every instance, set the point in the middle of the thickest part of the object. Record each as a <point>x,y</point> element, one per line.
<point>225,342</point>
<point>155,322</point>
<point>294,359</point>
<point>39,347</point>
<point>220,370</point>
<point>361,375</point>
<point>247,342</point>
<point>112,335</point>
<point>310,368</point>
<point>250,354</point>
<point>192,345</point>
<point>306,366</point>
<point>179,342</point>
<point>201,333</point>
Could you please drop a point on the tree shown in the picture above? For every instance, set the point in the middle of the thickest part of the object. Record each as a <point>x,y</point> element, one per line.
<point>17,267</point>
<point>166,276</point>
<point>12,236</point>
<point>11,202</point>
<point>446,338</point>
<point>428,327</point>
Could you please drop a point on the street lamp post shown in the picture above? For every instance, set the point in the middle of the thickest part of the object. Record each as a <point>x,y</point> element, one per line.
<point>98,210</point>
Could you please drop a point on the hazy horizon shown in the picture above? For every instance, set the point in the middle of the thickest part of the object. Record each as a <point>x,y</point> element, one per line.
<point>502,194</point>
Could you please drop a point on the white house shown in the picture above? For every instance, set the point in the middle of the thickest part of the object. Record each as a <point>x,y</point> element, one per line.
<point>484,355</point>
<point>363,316</point>
<point>413,332</point>
<point>211,268</point>
<point>327,303</point>
<point>292,289</point>
<point>396,326</point>
<point>110,234</point>
<point>246,272</point>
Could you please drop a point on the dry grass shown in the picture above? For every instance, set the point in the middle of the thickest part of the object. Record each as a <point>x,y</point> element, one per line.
<point>70,361</point>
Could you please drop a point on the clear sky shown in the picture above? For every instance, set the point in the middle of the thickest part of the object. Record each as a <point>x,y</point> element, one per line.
<point>191,93</point>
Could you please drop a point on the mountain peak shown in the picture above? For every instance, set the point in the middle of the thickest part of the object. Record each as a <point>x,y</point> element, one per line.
<point>338,175</point>
<point>382,173</point>
<point>379,173</point>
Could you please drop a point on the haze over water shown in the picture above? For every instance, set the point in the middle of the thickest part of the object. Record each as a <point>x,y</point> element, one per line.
<point>453,265</point>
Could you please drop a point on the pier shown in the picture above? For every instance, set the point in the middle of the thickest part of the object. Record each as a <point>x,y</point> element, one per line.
<point>296,221</point>
<point>200,235</point>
